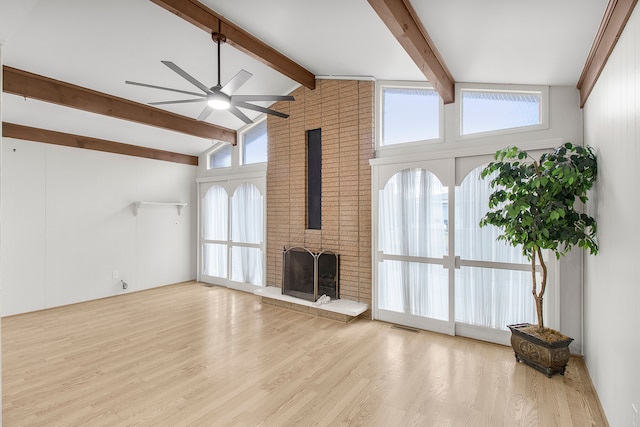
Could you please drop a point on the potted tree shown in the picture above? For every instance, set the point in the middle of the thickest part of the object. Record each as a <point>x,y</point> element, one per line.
<point>533,203</point>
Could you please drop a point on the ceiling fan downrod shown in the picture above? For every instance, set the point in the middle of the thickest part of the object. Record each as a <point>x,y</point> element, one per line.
<point>218,38</point>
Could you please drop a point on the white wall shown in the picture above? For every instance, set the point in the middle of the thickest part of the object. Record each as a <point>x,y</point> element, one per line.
<point>612,279</point>
<point>68,223</point>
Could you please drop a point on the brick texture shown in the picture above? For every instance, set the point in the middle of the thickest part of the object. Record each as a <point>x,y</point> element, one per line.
<point>344,110</point>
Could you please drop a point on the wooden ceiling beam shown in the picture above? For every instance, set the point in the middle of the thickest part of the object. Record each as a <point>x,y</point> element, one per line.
<point>403,22</point>
<point>206,19</point>
<point>615,18</point>
<point>43,88</point>
<point>11,130</point>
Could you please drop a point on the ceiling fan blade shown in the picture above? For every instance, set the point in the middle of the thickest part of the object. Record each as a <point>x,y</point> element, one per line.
<point>248,106</point>
<point>187,76</point>
<point>263,98</point>
<point>236,81</point>
<point>181,101</point>
<point>205,113</point>
<point>239,114</point>
<point>163,88</point>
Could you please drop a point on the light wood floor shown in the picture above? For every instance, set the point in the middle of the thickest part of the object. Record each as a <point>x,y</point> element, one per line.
<point>193,355</point>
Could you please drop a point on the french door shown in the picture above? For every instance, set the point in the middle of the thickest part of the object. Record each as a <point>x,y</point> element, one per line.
<point>434,267</point>
<point>231,222</point>
<point>413,283</point>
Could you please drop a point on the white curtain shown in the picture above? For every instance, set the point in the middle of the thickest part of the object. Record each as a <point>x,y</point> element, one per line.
<point>247,228</point>
<point>412,213</point>
<point>488,296</point>
<point>215,228</point>
<point>216,213</point>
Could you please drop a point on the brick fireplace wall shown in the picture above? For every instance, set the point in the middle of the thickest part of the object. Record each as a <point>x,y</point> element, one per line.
<point>344,110</point>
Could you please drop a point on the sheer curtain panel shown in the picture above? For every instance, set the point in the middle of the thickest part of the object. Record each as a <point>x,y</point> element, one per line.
<point>412,227</point>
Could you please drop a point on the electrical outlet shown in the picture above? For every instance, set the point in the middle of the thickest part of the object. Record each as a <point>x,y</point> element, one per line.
<point>115,274</point>
<point>635,420</point>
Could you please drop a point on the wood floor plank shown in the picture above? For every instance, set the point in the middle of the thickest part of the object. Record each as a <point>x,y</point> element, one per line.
<point>194,355</point>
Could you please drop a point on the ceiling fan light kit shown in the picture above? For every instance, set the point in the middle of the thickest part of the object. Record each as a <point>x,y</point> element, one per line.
<point>219,97</point>
<point>219,101</point>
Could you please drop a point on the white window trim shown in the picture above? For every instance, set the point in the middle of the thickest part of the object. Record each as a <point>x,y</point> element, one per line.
<point>380,86</point>
<point>544,108</point>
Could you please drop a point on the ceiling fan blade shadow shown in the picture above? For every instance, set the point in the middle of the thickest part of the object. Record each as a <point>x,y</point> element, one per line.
<point>180,101</point>
<point>236,81</point>
<point>205,113</point>
<point>162,88</point>
<point>248,106</point>
<point>262,98</point>
<point>239,114</point>
<point>187,76</point>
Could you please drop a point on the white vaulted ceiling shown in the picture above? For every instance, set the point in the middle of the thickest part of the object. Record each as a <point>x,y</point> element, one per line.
<point>98,44</point>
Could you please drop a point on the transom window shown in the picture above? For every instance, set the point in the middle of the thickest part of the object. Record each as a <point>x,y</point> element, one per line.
<point>489,110</point>
<point>254,144</point>
<point>220,158</point>
<point>409,114</point>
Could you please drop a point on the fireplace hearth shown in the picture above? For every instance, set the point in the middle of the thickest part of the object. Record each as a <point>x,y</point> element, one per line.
<point>309,275</point>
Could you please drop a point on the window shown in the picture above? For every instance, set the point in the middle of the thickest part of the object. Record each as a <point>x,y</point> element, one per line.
<point>493,284</point>
<point>409,114</point>
<point>233,199</point>
<point>254,144</point>
<point>412,234</point>
<point>489,110</point>
<point>220,158</point>
<point>454,276</point>
<point>232,234</point>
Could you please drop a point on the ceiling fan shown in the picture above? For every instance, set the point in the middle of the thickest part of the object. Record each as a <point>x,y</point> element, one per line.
<point>219,97</point>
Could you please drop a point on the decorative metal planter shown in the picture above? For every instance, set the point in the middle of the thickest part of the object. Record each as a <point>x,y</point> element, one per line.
<point>547,357</point>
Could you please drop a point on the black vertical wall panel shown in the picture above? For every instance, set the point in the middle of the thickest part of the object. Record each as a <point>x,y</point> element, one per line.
<point>314,179</point>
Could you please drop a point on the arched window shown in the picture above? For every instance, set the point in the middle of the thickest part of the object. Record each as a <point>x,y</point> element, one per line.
<point>233,235</point>
<point>412,229</point>
<point>496,290</point>
<point>247,234</point>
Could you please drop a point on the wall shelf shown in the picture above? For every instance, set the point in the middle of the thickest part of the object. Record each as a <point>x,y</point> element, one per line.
<point>138,205</point>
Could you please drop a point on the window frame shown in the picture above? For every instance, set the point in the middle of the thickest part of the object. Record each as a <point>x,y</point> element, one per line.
<point>496,88</point>
<point>380,87</point>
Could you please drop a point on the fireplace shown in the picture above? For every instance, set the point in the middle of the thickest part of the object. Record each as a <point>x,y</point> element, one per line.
<point>309,275</point>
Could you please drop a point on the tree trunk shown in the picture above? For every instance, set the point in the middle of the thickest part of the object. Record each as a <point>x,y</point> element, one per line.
<point>543,286</point>
<point>539,312</point>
